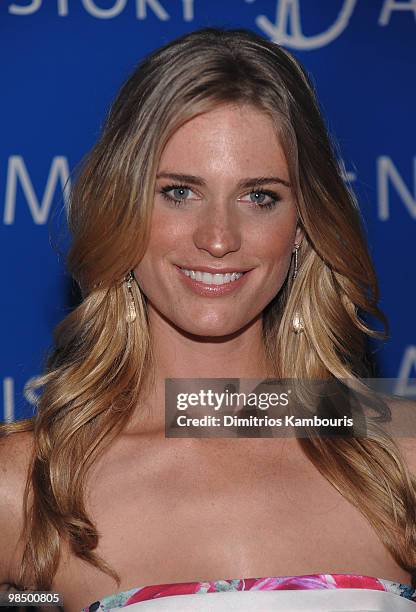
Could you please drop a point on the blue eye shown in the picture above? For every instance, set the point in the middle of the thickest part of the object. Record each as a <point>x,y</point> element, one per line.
<point>179,195</point>
<point>259,198</point>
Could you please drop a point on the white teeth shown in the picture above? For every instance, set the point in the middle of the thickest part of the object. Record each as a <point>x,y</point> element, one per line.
<point>212,279</point>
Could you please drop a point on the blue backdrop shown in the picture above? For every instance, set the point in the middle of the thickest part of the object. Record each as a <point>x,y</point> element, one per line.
<point>62,62</point>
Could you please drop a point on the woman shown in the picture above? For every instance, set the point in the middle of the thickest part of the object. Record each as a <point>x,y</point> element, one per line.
<point>214,160</point>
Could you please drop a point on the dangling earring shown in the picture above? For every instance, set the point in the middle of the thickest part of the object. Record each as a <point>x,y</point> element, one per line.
<point>295,271</point>
<point>131,314</point>
<point>297,321</point>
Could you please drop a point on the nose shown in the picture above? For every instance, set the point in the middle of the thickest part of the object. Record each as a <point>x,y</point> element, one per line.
<point>217,231</point>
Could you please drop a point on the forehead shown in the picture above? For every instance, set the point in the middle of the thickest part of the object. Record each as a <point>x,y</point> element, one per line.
<point>234,138</point>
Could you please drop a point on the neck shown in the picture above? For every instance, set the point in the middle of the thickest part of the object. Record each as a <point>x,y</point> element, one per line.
<point>178,354</point>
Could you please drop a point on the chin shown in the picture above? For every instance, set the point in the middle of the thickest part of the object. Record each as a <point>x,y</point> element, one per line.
<point>211,328</point>
<point>215,332</point>
<point>206,324</point>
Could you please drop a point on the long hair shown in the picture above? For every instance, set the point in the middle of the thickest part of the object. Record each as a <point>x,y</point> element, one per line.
<point>101,363</point>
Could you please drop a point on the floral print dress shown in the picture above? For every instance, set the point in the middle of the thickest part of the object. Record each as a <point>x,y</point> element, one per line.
<point>274,583</point>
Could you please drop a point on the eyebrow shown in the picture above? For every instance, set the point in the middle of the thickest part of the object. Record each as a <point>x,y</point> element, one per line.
<point>243,184</point>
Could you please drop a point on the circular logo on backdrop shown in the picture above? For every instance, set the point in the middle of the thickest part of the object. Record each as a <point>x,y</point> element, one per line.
<point>287,29</point>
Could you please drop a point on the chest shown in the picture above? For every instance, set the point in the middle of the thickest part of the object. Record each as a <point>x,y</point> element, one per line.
<point>221,516</point>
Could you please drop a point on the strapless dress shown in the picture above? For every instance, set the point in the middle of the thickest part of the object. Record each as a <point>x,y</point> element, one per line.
<point>313,592</point>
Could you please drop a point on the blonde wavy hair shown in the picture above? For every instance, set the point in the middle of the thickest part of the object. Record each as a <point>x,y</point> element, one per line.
<point>101,364</point>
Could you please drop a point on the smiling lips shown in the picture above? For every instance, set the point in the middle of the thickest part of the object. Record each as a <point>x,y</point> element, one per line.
<point>208,282</point>
<point>212,279</point>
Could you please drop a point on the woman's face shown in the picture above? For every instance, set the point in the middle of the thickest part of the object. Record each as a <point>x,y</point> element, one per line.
<point>224,223</point>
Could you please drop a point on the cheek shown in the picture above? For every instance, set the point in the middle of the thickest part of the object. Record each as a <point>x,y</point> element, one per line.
<point>167,228</point>
<point>163,240</point>
<point>274,247</point>
<point>147,269</point>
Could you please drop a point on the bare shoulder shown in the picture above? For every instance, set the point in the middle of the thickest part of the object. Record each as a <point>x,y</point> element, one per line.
<point>15,455</point>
